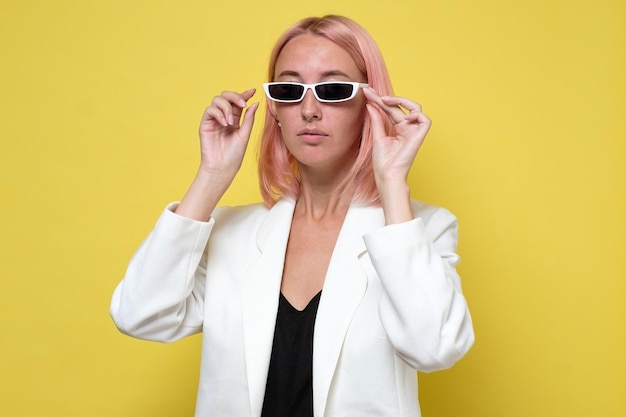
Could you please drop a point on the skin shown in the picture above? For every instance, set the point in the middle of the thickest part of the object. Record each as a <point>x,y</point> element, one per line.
<point>323,137</point>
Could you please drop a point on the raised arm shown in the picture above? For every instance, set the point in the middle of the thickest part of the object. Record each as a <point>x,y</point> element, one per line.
<point>392,156</point>
<point>161,296</point>
<point>224,135</point>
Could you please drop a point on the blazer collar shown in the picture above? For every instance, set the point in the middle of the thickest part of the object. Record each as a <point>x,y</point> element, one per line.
<point>344,287</point>
<point>261,289</point>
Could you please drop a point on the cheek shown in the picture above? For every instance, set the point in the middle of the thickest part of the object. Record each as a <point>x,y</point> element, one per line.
<point>286,114</point>
<point>354,122</point>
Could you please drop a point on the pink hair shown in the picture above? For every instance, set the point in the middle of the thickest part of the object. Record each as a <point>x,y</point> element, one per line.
<point>278,172</point>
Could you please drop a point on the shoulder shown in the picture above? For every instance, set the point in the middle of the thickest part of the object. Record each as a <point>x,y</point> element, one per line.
<point>252,216</point>
<point>236,224</point>
<point>239,217</point>
<point>239,213</point>
<point>251,224</point>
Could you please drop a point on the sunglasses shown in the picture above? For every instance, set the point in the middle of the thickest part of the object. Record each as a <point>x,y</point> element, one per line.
<point>326,92</point>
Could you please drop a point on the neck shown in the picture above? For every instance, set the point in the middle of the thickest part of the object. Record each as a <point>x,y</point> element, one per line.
<point>318,201</point>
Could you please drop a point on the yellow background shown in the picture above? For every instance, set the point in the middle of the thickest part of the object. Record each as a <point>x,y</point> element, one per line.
<point>99,104</point>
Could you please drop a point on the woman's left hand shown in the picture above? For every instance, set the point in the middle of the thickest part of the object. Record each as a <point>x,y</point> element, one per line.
<point>392,156</point>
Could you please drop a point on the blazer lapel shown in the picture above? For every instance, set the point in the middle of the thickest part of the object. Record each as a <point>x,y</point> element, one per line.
<point>343,290</point>
<point>344,287</point>
<point>261,290</point>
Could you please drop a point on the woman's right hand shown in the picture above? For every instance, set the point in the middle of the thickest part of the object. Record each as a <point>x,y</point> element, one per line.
<point>224,136</point>
<point>224,133</point>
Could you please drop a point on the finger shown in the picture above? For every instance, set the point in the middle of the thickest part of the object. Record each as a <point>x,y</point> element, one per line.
<point>415,114</point>
<point>212,113</point>
<point>241,104</point>
<point>232,104</point>
<point>248,121</point>
<point>220,110</point>
<point>238,99</point>
<point>419,117</point>
<point>247,95</point>
<point>393,111</point>
<point>403,102</point>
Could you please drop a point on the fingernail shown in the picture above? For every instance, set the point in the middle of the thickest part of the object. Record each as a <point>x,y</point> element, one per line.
<point>230,119</point>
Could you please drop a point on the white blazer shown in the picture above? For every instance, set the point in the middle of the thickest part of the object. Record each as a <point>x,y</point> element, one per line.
<point>391,304</point>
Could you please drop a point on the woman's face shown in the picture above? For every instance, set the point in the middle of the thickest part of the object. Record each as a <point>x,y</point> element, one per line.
<point>319,135</point>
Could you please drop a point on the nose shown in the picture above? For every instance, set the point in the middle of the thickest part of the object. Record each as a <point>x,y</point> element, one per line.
<point>309,106</point>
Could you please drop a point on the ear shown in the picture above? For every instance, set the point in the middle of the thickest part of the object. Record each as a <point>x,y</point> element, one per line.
<point>272,106</point>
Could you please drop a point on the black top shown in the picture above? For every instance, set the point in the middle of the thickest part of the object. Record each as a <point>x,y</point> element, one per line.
<point>289,389</point>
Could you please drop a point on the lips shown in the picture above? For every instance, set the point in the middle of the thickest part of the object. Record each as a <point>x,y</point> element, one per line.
<point>311,133</point>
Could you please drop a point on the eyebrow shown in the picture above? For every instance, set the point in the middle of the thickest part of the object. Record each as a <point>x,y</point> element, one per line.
<point>325,74</point>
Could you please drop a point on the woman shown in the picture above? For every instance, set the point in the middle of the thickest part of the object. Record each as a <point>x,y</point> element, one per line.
<point>326,299</point>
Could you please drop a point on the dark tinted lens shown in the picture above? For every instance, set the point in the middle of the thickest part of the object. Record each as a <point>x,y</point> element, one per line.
<point>334,91</point>
<point>286,91</point>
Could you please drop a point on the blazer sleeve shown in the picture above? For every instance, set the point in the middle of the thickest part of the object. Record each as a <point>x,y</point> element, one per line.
<point>422,308</point>
<point>161,296</point>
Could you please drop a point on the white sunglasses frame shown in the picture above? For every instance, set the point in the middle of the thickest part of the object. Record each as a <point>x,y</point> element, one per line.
<point>355,88</point>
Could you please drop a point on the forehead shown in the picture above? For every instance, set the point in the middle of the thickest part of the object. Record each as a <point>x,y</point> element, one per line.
<point>313,56</point>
